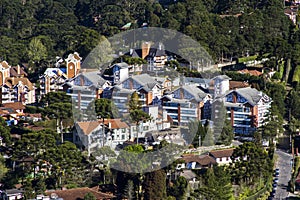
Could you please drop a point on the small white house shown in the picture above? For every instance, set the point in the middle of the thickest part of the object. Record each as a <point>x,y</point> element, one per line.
<point>222,157</point>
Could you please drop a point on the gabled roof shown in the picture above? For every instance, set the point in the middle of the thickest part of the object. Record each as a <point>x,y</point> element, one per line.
<point>221,153</point>
<point>202,159</point>
<point>252,95</point>
<point>88,127</point>
<point>146,81</point>
<point>4,64</point>
<point>115,123</point>
<point>14,71</point>
<point>12,81</point>
<point>95,77</point>
<point>197,93</point>
<point>79,193</point>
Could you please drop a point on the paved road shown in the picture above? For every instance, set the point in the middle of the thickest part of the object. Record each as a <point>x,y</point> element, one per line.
<point>284,165</point>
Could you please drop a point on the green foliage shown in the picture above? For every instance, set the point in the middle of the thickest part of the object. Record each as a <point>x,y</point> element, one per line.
<point>137,115</point>
<point>36,50</point>
<point>227,133</point>
<point>216,185</point>
<point>155,185</point>
<point>3,168</point>
<point>296,75</point>
<point>89,196</point>
<point>178,189</point>
<point>247,59</point>
<point>104,108</point>
<point>250,163</point>
<point>5,132</point>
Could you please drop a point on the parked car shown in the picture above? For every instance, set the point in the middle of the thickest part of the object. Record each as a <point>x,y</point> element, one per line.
<point>275,180</point>
<point>277,170</point>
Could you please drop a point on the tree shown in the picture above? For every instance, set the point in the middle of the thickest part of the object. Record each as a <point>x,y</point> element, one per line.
<point>209,139</point>
<point>36,50</point>
<point>4,132</point>
<point>104,108</point>
<point>137,115</point>
<point>155,185</point>
<point>89,196</point>
<point>3,169</point>
<point>227,134</point>
<point>216,184</point>
<point>129,190</point>
<point>179,188</point>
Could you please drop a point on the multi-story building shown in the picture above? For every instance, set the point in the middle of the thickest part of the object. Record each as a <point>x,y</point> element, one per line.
<point>86,87</point>
<point>246,108</point>
<point>17,90</point>
<point>52,80</point>
<point>187,103</point>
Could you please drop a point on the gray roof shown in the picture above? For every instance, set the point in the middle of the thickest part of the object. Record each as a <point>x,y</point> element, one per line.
<point>252,95</point>
<point>198,94</point>
<point>146,81</point>
<point>222,77</point>
<point>95,78</point>
<point>197,80</point>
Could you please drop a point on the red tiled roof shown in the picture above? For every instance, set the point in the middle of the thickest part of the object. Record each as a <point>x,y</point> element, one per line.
<point>221,153</point>
<point>88,127</point>
<point>14,71</point>
<point>115,123</point>
<point>79,193</point>
<point>251,72</point>
<point>238,84</point>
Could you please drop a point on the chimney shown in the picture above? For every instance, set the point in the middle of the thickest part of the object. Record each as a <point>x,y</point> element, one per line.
<point>145,49</point>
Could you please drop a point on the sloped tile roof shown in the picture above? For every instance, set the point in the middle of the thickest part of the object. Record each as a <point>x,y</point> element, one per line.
<point>88,127</point>
<point>14,105</point>
<point>115,123</point>
<point>221,153</point>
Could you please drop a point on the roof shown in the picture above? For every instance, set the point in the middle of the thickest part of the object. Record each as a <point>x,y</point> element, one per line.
<point>53,72</point>
<point>202,160</point>
<point>198,94</point>
<point>14,105</point>
<point>115,123</point>
<point>238,84</point>
<point>88,127</point>
<point>4,64</point>
<point>14,71</point>
<point>222,77</point>
<point>200,81</point>
<point>79,193</point>
<point>95,78</point>
<point>188,174</point>
<point>252,95</point>
<point>251,72</point>
<point>12,81</point>
<point>221,153</point>
<point>145,80</point>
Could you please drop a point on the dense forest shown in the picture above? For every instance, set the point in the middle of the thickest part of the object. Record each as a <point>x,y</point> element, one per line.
<point>39,30</point>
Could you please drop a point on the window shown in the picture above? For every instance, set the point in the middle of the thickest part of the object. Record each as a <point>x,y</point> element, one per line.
<point>220,159</point>
<point>123,137</point>
<point>123,130</point>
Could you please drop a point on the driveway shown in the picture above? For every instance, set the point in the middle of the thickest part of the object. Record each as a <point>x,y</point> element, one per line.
<point>284,165</point>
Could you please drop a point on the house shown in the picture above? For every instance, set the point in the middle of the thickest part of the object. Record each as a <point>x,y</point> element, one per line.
<point>17,90</point>
<point>246,108</point>
<point>17,106</point>
<point>222,157</point>
<point>198,161</point>
<point>89,135</point>
<point>238,84</point>
<point>165,82</point>
<point>86,87</point>
<point>118,132</point>
<point>187,103</point>
<point>120,72</point>
<point>253,72</point>
<point>52,80</point>
<point>78,194</point>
